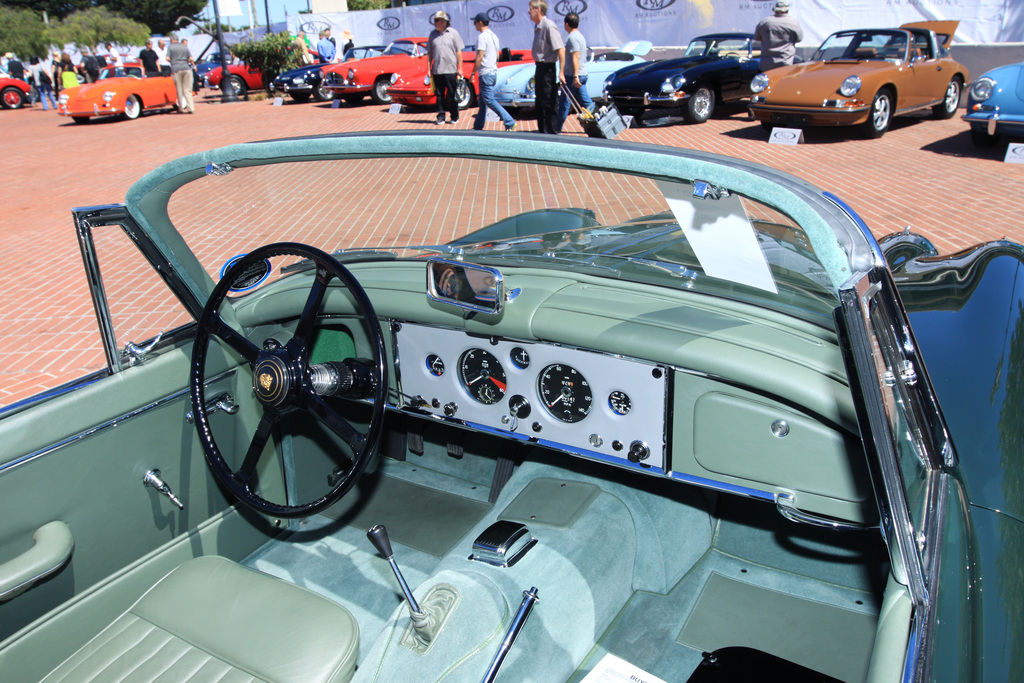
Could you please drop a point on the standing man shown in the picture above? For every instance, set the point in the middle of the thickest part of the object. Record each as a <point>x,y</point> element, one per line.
<point>444,55</point>
<point>548,53</point>
<point>115,55</point>
<point>181,72</point>
<point>325,48</point>
<point>150,60</point>
<point>487,47</point>
<point>575,70</point>
<point>779,35</point>
<point>91,65</point>
<point>161,57</point>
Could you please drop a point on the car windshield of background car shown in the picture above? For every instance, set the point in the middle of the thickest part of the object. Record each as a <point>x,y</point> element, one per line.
<point>595,222</point>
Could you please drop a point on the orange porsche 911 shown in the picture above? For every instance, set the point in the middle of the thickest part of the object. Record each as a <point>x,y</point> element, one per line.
<point>864,77</point>
<point>120,91</point>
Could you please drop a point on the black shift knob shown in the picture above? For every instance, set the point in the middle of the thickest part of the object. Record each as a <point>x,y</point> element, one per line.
<point>378,536</point>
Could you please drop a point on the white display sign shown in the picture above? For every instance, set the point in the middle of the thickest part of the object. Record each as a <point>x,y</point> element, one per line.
<point>278,101</point>
<point>1014,153</point>
<point>395,108</point>
<point>230,8</point>
<point>612,669</point>
<point>786,136</point>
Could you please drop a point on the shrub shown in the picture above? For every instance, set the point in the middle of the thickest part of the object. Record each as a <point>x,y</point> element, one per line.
<point>273,55</point>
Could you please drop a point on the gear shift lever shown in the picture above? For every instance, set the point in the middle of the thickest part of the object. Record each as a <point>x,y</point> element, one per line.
<point>438,604</point>
<point>378,536</point>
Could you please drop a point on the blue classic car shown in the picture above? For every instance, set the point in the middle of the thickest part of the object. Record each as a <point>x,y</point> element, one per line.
<point>303,83</point>
<point>995,105</point>
<point>677,420</point>
<point>715,68</point>
<point>515,88</point>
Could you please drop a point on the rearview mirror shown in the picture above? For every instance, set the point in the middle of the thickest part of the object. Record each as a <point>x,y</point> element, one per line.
<point>465,285</point>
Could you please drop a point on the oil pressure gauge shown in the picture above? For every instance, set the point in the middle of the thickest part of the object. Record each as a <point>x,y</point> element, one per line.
<point>620,402</point>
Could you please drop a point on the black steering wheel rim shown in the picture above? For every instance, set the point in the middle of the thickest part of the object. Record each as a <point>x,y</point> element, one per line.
<point>298,393</point>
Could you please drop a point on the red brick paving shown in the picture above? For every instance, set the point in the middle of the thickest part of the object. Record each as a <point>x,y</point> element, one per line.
<point>922,173</point>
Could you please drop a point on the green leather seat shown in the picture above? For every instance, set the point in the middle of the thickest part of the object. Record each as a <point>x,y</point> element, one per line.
<point>214,620</point>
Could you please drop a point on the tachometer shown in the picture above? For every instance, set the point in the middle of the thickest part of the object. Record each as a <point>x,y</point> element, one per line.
<point>482,376</point>
<point>565,392</point>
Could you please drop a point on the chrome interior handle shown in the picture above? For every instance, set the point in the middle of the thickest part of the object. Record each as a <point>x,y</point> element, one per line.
<point>786,505</point>
<point>225,402</point>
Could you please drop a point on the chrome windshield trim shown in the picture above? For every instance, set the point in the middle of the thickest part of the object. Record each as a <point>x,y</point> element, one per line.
<point>8,466</point>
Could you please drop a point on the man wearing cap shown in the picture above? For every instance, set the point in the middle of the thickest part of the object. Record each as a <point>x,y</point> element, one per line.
<point>444,54</point>
<point>486,66</point>
<point>548,52</point>
<point>779,35</point>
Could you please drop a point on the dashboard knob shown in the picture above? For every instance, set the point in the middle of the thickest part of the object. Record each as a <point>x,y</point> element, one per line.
<point>638,451</point>
<point>519,406</point>
<point>451,408</point>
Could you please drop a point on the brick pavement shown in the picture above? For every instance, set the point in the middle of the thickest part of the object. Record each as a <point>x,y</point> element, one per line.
<point>922,173</point>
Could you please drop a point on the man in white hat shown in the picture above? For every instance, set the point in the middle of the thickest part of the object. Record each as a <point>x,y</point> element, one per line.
<point>444,52</point>
<point>779,35</point>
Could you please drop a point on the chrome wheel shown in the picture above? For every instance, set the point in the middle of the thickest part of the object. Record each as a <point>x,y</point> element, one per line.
<point>321,93</point>
<point>132,107</point>
<point>238,83</point>
<point>947,109</point>
<point>881,115</point>
<point>700,105</point>
<point>379,94</point>
<point>464,94</point>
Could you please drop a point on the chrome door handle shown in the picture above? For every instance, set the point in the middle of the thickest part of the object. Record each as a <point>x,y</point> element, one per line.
<point>786,505</point>
<point>225,402</point>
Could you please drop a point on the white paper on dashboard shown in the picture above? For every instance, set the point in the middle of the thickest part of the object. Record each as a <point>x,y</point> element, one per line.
<point>612,669</point>
<point>724,242</point>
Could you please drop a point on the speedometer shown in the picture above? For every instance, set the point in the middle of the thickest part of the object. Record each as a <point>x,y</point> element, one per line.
<point>482,376</point>
<point>565,392</point>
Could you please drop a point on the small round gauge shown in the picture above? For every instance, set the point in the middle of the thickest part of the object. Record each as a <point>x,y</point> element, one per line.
<point>565,392</point>
<point>620,402</point>
<point>520,358</point>
<point>435,366</point>
<point>482,376</point>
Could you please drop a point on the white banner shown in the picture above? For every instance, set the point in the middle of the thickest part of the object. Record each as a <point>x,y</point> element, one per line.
<point>611,23</point>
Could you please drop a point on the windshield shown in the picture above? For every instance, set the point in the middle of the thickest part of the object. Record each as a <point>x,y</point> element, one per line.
<point>510,216</point>
<point>121,72</point>
<point>890,45</point>
<point>405,47</point>
<point>714,45</point>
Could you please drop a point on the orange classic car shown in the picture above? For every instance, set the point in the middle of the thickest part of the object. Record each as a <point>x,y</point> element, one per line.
<point>412,86</point>
<point>120,91</point>
<point>864,77</point>
<point>353,80</point>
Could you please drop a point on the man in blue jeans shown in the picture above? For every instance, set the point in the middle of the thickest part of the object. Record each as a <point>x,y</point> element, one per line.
<point>486,67</point>
<point>575,69</point>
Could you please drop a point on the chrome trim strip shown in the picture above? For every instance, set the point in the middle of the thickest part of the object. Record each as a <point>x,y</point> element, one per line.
<point>723,487</point>
<point>7,466</point>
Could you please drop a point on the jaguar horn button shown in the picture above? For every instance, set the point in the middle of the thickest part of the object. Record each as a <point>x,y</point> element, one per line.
<point>271,382</point>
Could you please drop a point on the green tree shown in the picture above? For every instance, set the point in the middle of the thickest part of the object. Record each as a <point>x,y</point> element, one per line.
<point>160,15</point>
<point>98,25</point>
<point>23,32</point>
<point>272,55</point>
<point>356,5</point>
<point>55,9</point>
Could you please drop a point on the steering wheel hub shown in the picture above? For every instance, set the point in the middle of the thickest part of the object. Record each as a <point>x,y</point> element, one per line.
<point>272,381</point>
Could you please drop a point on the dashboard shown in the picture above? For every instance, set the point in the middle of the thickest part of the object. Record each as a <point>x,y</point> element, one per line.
<point>593,404</point>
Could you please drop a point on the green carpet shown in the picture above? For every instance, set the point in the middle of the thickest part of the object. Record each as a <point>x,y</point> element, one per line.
<point>822,637</point>
<point>422,518</point>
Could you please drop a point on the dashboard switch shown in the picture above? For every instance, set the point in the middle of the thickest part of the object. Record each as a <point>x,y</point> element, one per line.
<point>638,452</point>
<point>451,408</point>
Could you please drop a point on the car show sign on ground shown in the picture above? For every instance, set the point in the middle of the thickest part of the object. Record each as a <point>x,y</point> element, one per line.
<point>786,136</point>
<point>1015,153</point>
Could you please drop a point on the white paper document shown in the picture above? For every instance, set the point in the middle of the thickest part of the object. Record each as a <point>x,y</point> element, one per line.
<point>612,669</point>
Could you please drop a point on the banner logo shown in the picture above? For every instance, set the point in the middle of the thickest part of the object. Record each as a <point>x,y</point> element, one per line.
<point>314,27</point>
<point>654,5</point>
<point>389,24</point>
<point>564,7</point>
<point>500,13</point>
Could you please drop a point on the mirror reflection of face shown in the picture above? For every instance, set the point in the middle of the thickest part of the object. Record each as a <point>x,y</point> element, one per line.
<point>483,284</point>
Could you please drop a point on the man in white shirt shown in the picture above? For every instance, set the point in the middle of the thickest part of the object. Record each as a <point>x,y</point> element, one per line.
<point>486,67</point>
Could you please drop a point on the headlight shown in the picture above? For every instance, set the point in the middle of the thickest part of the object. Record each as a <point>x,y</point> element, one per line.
<point>983,89</point>
<point>850,86</point>
<point>759,83</point>
<point>678,82</point>
<point>63,99</point>
<point>108,95</point>
<point>666,87</point>
<point>394,79</point>
<point>426,80</point>
<point>351,74</point>
<point>531,85</point>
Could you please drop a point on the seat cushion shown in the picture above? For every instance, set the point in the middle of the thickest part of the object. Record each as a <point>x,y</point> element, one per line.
<point>213,620</point>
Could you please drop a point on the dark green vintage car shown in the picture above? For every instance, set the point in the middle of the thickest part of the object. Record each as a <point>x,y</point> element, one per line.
<point>632,411</point>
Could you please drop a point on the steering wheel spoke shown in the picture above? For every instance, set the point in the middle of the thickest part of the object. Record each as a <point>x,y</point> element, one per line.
<point>281,382</point>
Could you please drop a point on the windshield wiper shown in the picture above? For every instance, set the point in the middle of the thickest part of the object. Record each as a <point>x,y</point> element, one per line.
<point>673,269</point>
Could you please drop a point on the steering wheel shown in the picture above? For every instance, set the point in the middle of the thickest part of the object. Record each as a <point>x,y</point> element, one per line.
<point>285,382</point>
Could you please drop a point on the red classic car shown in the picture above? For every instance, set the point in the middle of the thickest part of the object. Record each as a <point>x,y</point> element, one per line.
<point>412,85</point>
<point>243,78</point>
<point>120,91</point>
<point>13,93</point>
<point>354,80</point>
